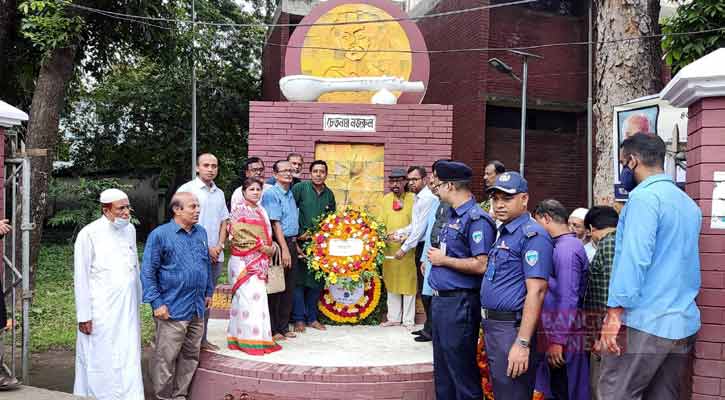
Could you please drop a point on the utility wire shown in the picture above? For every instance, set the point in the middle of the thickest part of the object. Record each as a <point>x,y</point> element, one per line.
<point>141,19</point>
<point>263,25</point>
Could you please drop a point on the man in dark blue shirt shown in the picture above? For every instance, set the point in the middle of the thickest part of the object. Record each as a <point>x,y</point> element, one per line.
<point>177,282</point>
<point>455,278</point>
<point>513,289</point>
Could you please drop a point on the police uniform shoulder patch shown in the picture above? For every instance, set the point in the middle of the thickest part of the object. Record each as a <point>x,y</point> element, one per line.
<point>531,257</point>
<point>529,231</point>
<point>477,236</point>
<point>475,212</point>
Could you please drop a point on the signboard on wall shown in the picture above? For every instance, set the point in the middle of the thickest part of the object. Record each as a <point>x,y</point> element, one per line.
<point>349,123</point>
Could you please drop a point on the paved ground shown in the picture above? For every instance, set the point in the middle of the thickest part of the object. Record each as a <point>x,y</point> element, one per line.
<point>364,346</point>
<point>33,393</point>
<point>55,371</point>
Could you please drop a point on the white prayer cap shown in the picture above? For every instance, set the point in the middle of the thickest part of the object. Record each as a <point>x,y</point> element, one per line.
<point>580,213</point>
<point>111,195</point>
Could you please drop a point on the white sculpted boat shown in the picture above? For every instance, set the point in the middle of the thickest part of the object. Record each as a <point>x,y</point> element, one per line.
<point>310,88</point>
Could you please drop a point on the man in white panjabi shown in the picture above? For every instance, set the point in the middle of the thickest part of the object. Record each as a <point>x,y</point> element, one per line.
<point>107,296</point>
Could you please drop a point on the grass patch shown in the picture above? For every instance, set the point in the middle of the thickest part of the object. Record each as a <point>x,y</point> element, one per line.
<point>52,316</point>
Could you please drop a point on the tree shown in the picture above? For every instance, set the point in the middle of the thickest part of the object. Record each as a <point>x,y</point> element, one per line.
<point>86,45</point>
<point>623,70</point>
<point>138,114</point>
<point>700,15</point>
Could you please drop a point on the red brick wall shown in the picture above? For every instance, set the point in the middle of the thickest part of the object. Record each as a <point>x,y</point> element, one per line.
<point>412,134</point>
<point>705,149</point>
<point>465,80</point>
<point>561,76</point>
<point>456,78</point>
<point>546,158</point>
<point>273,60</point>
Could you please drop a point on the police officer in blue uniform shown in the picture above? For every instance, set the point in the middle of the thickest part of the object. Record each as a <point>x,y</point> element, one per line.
<point>455,277</point>
<point>513,289</point>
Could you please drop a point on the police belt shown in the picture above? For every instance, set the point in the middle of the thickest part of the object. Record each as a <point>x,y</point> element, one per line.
<point>500,315</point>
<point>454,292</point>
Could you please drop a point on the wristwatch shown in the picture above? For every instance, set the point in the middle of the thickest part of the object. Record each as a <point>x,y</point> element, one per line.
<point>523,342</point>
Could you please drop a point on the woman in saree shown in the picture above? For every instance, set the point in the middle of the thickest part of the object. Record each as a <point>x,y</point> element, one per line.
<point>250,234</point>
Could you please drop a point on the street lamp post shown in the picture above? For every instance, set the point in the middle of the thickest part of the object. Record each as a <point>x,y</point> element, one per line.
<point>504,68</point>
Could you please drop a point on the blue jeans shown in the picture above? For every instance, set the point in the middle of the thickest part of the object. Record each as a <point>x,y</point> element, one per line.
<point>304,308</point>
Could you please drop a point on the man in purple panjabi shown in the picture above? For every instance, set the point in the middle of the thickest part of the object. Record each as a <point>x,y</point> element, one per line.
<point>565,373</point>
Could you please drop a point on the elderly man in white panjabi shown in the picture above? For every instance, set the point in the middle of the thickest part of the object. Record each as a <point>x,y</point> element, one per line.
<point>107,295</point>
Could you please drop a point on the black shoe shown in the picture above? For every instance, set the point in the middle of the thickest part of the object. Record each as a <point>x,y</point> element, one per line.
<point>423,338</point>
<point>417,333</point>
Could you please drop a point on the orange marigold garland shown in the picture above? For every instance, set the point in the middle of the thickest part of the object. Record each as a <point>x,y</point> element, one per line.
<point>346,251</point>
<point>351,312</point>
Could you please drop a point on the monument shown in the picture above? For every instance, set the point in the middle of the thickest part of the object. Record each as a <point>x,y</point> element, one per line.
<point>355,78</point>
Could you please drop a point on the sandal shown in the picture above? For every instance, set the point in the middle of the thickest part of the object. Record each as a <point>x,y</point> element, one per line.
<point>290,334</point>
<point>278,336</point>
<point>317,325</point>
<point>300,327</point>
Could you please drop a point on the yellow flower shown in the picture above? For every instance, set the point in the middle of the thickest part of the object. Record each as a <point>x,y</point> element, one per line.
<point>355,277</point>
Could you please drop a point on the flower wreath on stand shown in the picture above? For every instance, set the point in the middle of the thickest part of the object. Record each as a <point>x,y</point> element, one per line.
<point>346,252</point>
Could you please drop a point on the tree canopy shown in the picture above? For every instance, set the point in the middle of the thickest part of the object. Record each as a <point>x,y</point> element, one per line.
<point>695,16</point>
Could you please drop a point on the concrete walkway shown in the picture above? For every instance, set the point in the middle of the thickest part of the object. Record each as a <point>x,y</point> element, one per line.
<point>33,393</point>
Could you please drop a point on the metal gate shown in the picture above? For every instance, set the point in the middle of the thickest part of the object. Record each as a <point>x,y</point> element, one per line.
<point>15,282</point>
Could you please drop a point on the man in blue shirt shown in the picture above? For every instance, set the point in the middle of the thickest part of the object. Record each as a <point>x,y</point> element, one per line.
<point>513,289</point>
<point>178,283</point>
<point>279,202</point>
<point>655,279</point>
<point>455,279</point>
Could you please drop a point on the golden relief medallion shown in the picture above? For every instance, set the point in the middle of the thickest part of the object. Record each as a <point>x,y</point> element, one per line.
<point>355,45</point>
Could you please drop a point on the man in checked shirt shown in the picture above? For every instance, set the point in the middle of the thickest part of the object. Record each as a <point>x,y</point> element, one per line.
<point>602,222</point>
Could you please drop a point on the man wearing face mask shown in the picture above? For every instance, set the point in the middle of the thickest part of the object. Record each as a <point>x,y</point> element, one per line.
<point>107,297</point>
<point>652,317</point>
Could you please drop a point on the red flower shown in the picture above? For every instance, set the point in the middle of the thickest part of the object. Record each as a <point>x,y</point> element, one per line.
<point>320,238</point>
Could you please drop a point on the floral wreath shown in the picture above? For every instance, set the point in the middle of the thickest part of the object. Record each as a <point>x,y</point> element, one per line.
<point>354,313</point>
<point>346,252</point>
<point>349,224</point>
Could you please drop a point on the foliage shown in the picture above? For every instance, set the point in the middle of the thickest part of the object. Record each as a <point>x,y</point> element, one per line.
<point>693,16</point>
<point>138,114</point>
<point>48,24</point>
<point>84,193</point>
<point>53,315</point>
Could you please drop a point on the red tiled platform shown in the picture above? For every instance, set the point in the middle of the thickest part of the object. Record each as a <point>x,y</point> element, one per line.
<point>219,375</point>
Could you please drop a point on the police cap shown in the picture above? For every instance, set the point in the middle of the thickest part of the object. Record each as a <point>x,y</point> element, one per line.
<point>510,183</point>
<point>448,171</point>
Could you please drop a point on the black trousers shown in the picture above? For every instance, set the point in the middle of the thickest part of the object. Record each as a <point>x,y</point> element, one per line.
<point>280,304</point>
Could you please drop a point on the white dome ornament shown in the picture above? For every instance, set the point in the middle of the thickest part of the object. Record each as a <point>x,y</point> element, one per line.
<point>384,96</point>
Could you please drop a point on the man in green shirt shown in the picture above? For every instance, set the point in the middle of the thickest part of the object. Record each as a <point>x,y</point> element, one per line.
<point>313,199</point>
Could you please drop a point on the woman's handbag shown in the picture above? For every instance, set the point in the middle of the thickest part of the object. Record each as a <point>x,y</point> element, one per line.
<point>275,276</point>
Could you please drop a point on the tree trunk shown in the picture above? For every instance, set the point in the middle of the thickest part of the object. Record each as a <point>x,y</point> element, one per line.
<point>623,71</point>
<point>42,139</point>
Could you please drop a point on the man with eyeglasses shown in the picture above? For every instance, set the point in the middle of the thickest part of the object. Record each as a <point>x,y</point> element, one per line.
<point>279,202</point>
<point>253,167</point>
<point>107,297</point>
<point>414,233</point>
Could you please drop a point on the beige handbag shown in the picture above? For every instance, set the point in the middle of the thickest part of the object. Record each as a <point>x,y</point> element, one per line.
<point>275,276</point>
